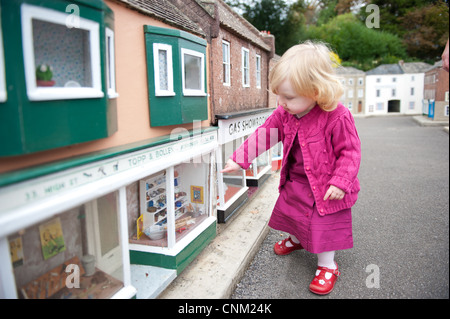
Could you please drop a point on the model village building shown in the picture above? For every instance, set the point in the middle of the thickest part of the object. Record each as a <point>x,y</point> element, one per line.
<point>436,97</point>
<point>115,118</point>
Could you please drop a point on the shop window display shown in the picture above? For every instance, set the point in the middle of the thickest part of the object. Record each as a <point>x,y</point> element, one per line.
<point>172,205</point>
<point>260,165</point>
<point>233,183</point>
<point>72,255</point>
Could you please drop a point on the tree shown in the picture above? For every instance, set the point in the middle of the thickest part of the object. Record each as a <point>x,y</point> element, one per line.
<point>283,21</point>
<point>421,24</point>
<point>358,45</point>
<point>426,31</point>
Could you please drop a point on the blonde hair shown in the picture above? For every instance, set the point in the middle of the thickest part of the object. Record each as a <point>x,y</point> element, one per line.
<point>309,68</point>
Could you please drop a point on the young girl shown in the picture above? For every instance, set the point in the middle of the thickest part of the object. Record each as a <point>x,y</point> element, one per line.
<point>321,158</point>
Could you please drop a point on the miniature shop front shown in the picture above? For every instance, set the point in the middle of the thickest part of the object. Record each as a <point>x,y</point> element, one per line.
<point>63,235</point>
<point>170,212</point>
<point>72,233</point>
<point>233,188</point>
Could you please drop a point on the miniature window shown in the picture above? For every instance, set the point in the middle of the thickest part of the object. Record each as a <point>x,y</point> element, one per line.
<point>162,58</point>
<point>260,164</point>
<point>61,62</point>
<point>245,67</point>
<point>234,182</point>
<point>226,63</point>
<point>110,65</point>
<point>350,94</point>
<point>258,71</point>
<point>193,72</point>
<point>70,255</point>
<point>2,68</point>
<point>172,204</point>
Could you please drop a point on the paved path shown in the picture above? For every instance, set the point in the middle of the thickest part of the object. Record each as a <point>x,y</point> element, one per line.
<point>401,223</point>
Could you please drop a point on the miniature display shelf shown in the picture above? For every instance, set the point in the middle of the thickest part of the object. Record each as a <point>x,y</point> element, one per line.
<point>154,211</point>
<point>52,285</point>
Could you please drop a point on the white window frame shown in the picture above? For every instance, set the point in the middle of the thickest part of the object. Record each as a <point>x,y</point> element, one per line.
<point>190,92</point>
<point>35,93</point>
<point>110,64</point>
<point>168,48</point>
<point>245,54</point>
<point>227,64</point>
<point>258,71</point>
<point>3,94</point>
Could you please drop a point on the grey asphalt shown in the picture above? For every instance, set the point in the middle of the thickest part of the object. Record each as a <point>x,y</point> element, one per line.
<point>400,224</point>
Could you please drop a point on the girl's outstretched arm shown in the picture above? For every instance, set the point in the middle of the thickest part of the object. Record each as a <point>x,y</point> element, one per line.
<point>230,166</point>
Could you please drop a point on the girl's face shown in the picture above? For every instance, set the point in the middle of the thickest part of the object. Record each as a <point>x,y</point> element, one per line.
<point>292,102</point>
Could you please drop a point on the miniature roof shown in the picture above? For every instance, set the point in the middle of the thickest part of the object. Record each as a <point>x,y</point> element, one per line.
<point>400,68</point>
<point>348,70</point>
<point>386,69</point>
<point>165,11</point>
<point>237,24</point>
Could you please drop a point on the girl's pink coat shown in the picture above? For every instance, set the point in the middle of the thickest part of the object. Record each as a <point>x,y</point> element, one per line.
<point>330,145</point>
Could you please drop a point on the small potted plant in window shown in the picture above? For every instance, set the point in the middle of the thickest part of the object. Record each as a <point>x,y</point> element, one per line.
<point>44,75</point>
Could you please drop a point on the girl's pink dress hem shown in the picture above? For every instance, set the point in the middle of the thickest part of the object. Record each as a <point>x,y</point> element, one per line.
<point>295,212</point>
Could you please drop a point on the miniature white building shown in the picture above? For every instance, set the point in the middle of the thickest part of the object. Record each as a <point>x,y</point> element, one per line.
<point>395,88</point>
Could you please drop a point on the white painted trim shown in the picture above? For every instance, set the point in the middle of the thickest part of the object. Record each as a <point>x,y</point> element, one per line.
<point>190,92</point>
<point>168,48</point>
<point>3,92</point>
<point>227,63</point>
<point>111,64</point>
<point>245,52</point>
<point>180,245</point>
<point>8,289</point>
<point>35,93</point>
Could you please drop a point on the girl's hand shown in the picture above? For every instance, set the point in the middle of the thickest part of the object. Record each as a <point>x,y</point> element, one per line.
<point>334,193</point>
<point>231,166</point>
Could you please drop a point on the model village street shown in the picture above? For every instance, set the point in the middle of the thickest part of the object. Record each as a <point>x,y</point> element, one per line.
<point>400,223</point>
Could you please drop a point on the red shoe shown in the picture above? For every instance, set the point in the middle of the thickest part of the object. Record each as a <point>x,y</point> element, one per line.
<point>280,247</point>
<point>323,282</point>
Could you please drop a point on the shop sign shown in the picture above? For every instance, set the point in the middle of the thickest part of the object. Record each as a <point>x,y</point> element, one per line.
<point>31,190</point>
<point>234,128</point>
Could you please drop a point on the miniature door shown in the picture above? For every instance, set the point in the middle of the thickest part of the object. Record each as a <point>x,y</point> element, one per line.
<point>103,233</point>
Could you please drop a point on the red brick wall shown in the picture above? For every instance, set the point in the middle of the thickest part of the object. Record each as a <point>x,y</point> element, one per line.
<point>236,97</point>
